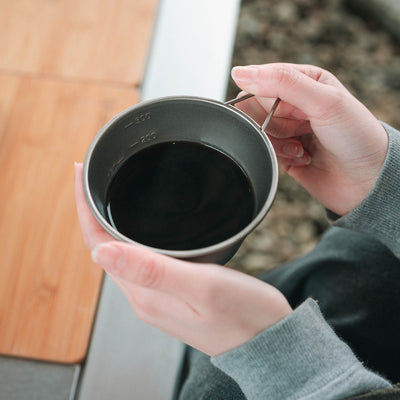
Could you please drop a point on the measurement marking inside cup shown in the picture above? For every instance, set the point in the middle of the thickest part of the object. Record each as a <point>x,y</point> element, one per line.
<point>138,120</point>
<point>148,137</point>
<point>115,166</point>
<point>133,144</point>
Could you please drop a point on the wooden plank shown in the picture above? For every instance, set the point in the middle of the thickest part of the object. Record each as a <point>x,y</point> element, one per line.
<point>8,88</point>
<point>91,39</point>
<point>48,284</point>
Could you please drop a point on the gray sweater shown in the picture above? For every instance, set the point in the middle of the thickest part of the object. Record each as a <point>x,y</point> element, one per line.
<point>301,357</point>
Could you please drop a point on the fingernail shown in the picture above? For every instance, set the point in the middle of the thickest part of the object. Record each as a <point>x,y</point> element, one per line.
<point>76,166</point>
<point>245,75</point>
<point>304,160</point>
<point>293,149</point>
<point>110,257</point>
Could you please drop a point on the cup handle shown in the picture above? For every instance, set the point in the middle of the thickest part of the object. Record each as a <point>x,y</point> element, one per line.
<point>263,127</point>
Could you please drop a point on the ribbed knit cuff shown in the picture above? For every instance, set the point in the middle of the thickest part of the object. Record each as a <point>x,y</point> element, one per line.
<point>379,213</point>
<point>299,357</point>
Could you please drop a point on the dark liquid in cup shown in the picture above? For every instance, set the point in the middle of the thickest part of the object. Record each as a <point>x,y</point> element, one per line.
<point>180,196</point>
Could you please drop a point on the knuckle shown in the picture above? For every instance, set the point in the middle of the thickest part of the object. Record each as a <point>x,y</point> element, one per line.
<point>315,72</point>
<point>327,78</point>
<point>149,271</point>
<point>334,103</point>
<point>286,75</point>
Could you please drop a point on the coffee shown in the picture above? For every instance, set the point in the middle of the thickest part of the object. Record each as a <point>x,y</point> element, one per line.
<point>180,196</point>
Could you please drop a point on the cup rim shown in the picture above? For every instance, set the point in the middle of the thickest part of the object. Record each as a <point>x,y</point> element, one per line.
<point>194,253</point>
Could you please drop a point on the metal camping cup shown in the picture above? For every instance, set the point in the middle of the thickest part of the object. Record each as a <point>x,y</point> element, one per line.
<point>195,119</point>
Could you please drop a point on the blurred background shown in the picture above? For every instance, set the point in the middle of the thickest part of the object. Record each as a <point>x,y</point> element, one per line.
<point>359,42</point>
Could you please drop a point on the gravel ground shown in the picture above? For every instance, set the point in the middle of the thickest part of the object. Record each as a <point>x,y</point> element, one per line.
<point>359,52</point>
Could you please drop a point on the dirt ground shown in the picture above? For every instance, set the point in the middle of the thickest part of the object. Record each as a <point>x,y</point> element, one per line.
<point>359,52</point>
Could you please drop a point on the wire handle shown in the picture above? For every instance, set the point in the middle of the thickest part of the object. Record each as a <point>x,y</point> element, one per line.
<point>238,99</point>
<point>247,96</point>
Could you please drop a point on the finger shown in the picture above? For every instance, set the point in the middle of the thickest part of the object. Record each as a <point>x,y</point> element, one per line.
<point>287,148</point>
<point>283,128</point>
<point>146,268</point>
<point>92,231</point>
<point>258,107</point>
<point>308,88</point>
<point>287,163</point>
<point>281,124</point>
<point>253,109</point>
<point>285,110</point>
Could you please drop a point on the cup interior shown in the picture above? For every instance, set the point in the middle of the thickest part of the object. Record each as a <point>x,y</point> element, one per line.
<point>173,119</point>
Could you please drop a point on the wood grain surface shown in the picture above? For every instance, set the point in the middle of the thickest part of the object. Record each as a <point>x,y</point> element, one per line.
<point>59,85</point>
<point>87,39</point>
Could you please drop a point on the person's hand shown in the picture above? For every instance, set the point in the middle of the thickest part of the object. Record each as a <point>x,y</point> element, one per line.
<point>324,137</point>
<point>209,307</point>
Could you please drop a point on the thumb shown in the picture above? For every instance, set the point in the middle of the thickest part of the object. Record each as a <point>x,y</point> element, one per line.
<point>310,89</point>
<point>146,268</point>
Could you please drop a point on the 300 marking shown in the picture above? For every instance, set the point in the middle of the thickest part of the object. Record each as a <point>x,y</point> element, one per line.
<point>139,119</point>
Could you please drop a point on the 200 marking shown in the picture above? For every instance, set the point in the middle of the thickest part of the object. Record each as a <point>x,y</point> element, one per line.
<point>148,137</point>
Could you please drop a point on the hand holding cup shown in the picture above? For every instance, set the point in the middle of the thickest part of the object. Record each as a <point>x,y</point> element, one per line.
<point>324,137</point>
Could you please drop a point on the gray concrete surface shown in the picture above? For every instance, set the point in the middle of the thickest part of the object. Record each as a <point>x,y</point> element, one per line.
<point>22,379</point>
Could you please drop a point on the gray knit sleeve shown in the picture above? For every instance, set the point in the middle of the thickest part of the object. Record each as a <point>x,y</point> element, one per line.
<point>379,213</point>
<point>298,358</point>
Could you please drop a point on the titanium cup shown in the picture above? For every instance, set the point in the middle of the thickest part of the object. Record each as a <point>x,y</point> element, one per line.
<point>195,119</point>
